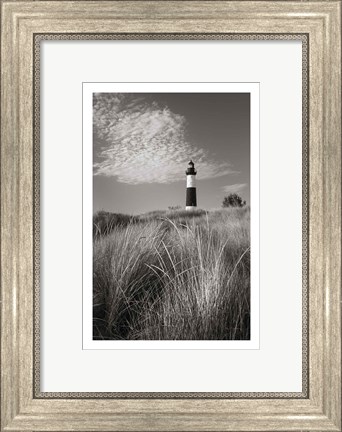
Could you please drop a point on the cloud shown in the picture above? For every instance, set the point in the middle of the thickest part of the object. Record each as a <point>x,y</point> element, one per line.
<point>144,142</point>
<point>234,188</point>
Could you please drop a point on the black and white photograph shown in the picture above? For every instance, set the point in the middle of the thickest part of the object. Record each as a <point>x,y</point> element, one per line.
<point>171,216</point>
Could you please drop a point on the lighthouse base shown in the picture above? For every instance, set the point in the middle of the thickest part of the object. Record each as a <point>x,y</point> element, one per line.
<point>190,208</point>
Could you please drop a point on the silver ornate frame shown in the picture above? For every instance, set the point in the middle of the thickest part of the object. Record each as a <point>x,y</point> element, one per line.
<point>22,406</point>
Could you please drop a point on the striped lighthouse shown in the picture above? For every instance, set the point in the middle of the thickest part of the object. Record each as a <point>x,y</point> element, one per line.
<point>191,202</point>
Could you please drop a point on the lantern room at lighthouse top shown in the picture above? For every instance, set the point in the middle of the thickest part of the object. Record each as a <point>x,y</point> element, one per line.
<point>191,169</point>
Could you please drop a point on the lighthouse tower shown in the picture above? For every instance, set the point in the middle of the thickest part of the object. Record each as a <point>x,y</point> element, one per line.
<point>191,202</point>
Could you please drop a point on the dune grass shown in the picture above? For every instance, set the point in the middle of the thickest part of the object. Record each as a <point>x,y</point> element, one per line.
<point>174,276</point>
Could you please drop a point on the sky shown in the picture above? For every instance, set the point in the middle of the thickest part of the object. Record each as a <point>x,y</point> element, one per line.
<point>142,143</point>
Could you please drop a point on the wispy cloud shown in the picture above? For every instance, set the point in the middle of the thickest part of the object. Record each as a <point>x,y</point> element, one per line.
<point>145,142</point>
<point>234,188</point>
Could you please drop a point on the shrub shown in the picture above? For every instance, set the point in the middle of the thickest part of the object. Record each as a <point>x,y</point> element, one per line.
<point>233,200</point>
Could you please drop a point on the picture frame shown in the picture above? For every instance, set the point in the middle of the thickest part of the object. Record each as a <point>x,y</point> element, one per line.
<point>22,407</point>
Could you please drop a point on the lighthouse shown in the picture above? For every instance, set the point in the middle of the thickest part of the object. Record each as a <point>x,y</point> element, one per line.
<point>191,202</point>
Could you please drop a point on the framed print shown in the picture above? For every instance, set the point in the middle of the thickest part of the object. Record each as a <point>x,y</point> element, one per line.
<point>171,215</point>
<point>161,174</point>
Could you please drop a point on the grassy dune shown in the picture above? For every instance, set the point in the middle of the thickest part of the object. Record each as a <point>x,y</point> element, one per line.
<point>172,275</point>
